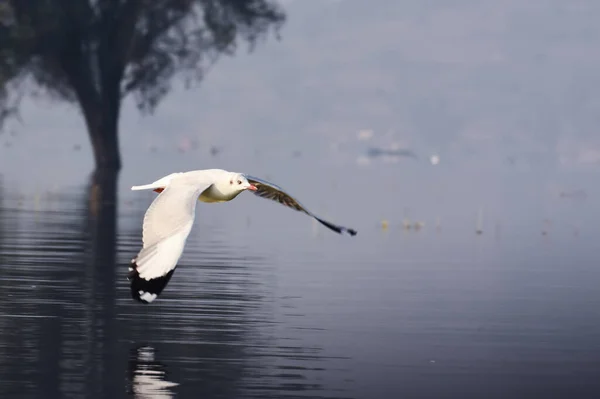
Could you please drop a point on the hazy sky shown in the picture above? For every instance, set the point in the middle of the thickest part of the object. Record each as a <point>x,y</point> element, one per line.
<point>504,91</point>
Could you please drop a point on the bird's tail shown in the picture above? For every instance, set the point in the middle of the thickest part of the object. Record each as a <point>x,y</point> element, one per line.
<point>159,184</point>
<point>145,187</point>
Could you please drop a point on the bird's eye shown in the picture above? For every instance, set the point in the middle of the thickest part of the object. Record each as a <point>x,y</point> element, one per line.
<point>230,181</point>
<point>239,182</point>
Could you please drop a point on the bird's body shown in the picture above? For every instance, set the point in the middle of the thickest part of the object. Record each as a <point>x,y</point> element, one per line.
<point>218,189</point>
<point>169,220</point>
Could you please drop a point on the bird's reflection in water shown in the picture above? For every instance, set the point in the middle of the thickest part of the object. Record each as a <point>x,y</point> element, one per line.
<point>148,377</point>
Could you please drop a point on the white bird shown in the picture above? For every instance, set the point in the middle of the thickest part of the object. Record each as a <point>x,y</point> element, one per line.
<point>169,219</point>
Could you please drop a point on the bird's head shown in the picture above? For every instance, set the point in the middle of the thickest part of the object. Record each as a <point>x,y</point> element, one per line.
<point>238,182</point>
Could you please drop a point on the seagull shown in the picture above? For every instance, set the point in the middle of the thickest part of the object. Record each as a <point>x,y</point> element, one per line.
<point>169,219</point>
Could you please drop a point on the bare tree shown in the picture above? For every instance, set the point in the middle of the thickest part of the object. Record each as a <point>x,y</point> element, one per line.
<point>96,52</point>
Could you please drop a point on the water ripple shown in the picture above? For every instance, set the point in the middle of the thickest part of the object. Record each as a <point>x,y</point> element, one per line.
<point>69,328</point>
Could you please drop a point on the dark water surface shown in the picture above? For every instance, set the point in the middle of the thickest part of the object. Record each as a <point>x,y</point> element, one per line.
<point>267,310</point>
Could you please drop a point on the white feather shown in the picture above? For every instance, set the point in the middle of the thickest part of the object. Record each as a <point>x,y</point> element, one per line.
<point>167,224</point>
<point>160,183</point>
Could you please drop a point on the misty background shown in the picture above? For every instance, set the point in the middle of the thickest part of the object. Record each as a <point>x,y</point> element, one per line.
<point>345,112</point>
<point>503,91</point>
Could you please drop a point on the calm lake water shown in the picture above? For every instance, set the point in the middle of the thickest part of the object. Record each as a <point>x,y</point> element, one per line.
<point>266,310</point>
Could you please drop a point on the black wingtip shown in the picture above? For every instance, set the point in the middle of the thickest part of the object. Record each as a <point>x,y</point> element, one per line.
<point>146,291</point>
<point>337,229</point>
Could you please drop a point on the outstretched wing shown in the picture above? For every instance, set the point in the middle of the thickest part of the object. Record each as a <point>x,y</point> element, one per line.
<point>167,225</point>
<point>273,192</point>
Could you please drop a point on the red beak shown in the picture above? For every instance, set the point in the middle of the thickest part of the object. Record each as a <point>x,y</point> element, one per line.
<point>252,187</point>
